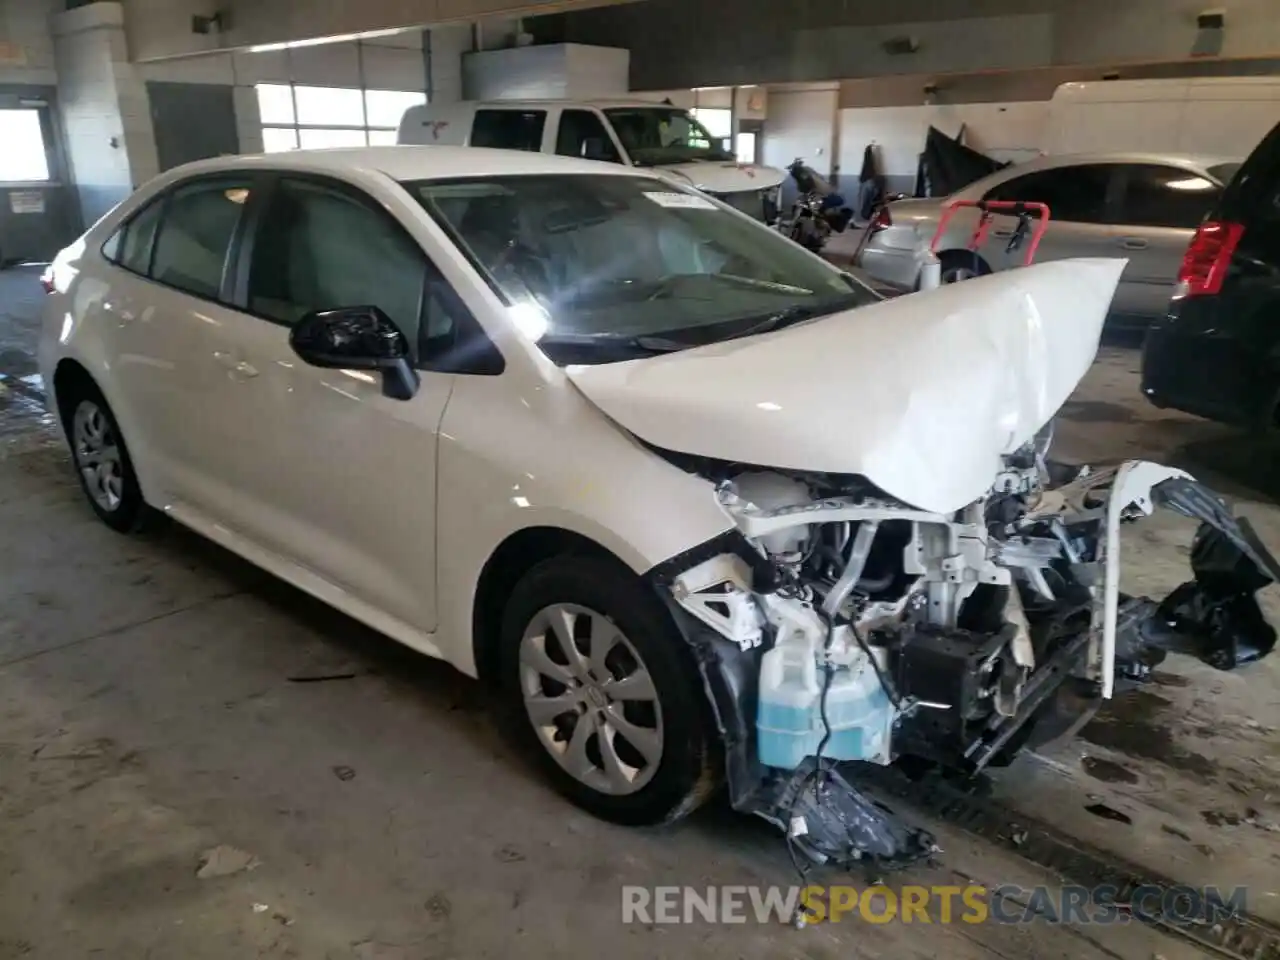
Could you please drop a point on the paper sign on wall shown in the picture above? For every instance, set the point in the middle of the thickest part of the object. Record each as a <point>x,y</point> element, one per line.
<point>26,201</point>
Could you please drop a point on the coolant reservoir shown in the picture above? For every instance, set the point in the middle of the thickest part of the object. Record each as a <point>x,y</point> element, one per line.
<point>789,724</point>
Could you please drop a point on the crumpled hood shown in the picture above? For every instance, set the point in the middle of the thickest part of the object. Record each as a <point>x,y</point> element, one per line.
<point>722,176</point>
<point>922,395</point>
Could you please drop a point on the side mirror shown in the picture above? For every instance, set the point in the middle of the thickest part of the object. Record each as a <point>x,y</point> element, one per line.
<point>357,338</point>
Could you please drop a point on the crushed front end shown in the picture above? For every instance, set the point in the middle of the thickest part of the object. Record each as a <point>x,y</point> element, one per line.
<point>836,624</point>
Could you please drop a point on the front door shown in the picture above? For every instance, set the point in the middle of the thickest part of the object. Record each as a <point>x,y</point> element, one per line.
<point>192,121</point>
<point>1158,212</point>
<point>340,479</point>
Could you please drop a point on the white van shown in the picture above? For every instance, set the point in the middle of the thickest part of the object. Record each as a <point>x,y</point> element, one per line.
<point>1219,116</point>
<point>637,133</point>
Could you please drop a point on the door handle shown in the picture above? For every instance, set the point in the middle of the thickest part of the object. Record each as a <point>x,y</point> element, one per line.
<point>1002,234</point>
<point>1134,243</point>
<point>239,368</point>
<point>123,317</point>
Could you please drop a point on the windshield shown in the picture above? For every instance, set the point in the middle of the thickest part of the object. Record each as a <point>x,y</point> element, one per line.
<point>1223,172</point>
<point>658,135</point>
<point>599,268</point>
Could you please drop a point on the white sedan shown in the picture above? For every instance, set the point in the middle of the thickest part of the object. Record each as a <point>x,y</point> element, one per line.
<point>701,504</point>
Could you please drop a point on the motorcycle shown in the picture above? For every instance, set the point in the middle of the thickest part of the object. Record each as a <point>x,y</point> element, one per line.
<point>818,211</point>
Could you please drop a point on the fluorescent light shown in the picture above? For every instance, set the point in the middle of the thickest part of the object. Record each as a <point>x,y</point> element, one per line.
<point>1190,183</point>
<point>321,41</point>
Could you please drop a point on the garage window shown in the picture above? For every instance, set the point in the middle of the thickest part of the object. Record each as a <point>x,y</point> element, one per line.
<point>298,115</point>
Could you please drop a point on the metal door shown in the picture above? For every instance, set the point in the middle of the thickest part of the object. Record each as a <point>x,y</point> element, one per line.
<point>37,210</point>
<point>192,121</point>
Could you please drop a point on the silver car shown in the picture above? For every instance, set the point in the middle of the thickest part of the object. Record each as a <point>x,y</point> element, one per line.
<point>1141,206</point>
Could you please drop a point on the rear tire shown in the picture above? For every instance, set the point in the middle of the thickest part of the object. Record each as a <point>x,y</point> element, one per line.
<point>616,719</point>
<point>958,265</point>
<point>101,459</point>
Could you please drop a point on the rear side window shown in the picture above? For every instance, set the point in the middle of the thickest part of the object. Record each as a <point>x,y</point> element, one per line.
<point>509,129</point>
<point>1160,196</point>
<point>191,247</point>
<point>130,246</point>
<point>1076,194</point>
<point>582,134</point>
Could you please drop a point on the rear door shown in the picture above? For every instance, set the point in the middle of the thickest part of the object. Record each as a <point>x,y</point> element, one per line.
<point>1080,200</point>
<point>1158,210</point>
<point>169,291</point>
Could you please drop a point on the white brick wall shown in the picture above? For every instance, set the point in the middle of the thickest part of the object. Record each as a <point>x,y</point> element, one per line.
<point>393,68</point>
<point>801,123</point>
<point>448,44</point>
<point>106,118</point>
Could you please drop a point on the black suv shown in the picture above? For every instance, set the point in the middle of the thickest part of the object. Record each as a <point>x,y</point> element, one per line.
<point>1217,352</point>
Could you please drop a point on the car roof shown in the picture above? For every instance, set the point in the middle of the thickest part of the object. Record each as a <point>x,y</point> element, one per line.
<point>1199,160</point>
<point>408,162</point>
<point>604,103</point>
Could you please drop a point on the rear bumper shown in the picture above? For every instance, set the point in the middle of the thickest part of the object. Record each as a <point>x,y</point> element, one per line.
<point>890,266</point>
<point>1210,374</point>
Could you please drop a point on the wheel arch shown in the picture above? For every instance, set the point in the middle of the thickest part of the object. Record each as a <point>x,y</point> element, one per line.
<point>955,253</point>
<point>514,557</point>
<point>69,375</point>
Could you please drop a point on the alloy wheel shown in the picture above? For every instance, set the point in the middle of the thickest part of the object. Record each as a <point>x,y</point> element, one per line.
<point>591,699</point>
<point>97,455</point>
<point>957,274</point>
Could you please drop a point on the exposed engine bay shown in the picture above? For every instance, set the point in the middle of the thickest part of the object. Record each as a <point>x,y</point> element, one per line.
<point>837,624</point>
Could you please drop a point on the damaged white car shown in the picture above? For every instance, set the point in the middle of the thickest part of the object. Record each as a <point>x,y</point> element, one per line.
<point>703,507</point>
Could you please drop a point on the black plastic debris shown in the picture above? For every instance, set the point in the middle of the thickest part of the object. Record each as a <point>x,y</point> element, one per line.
<point>1215,617</point>
<point>831,822</point>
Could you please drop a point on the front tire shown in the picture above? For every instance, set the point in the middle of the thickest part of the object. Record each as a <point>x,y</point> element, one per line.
<point>601,689</point>
<point>102,460</point>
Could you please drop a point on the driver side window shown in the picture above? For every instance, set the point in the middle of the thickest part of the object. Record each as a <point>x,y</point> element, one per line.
<point>582,134</point>
<point>320,248</point>
<point>323,245</point>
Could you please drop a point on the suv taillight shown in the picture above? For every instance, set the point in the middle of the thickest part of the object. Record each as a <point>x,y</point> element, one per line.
<point>881,221</point>
<point>1204,265</point>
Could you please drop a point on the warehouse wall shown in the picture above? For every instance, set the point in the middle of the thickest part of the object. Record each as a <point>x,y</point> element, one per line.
<point>1006,131</point>
<point>393,62</point>
<point>690,42</point>
<point>26,42</point>
<point>162,28</point>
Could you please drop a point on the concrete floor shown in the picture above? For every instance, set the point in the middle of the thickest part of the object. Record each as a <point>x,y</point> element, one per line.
<point>152,710</point>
